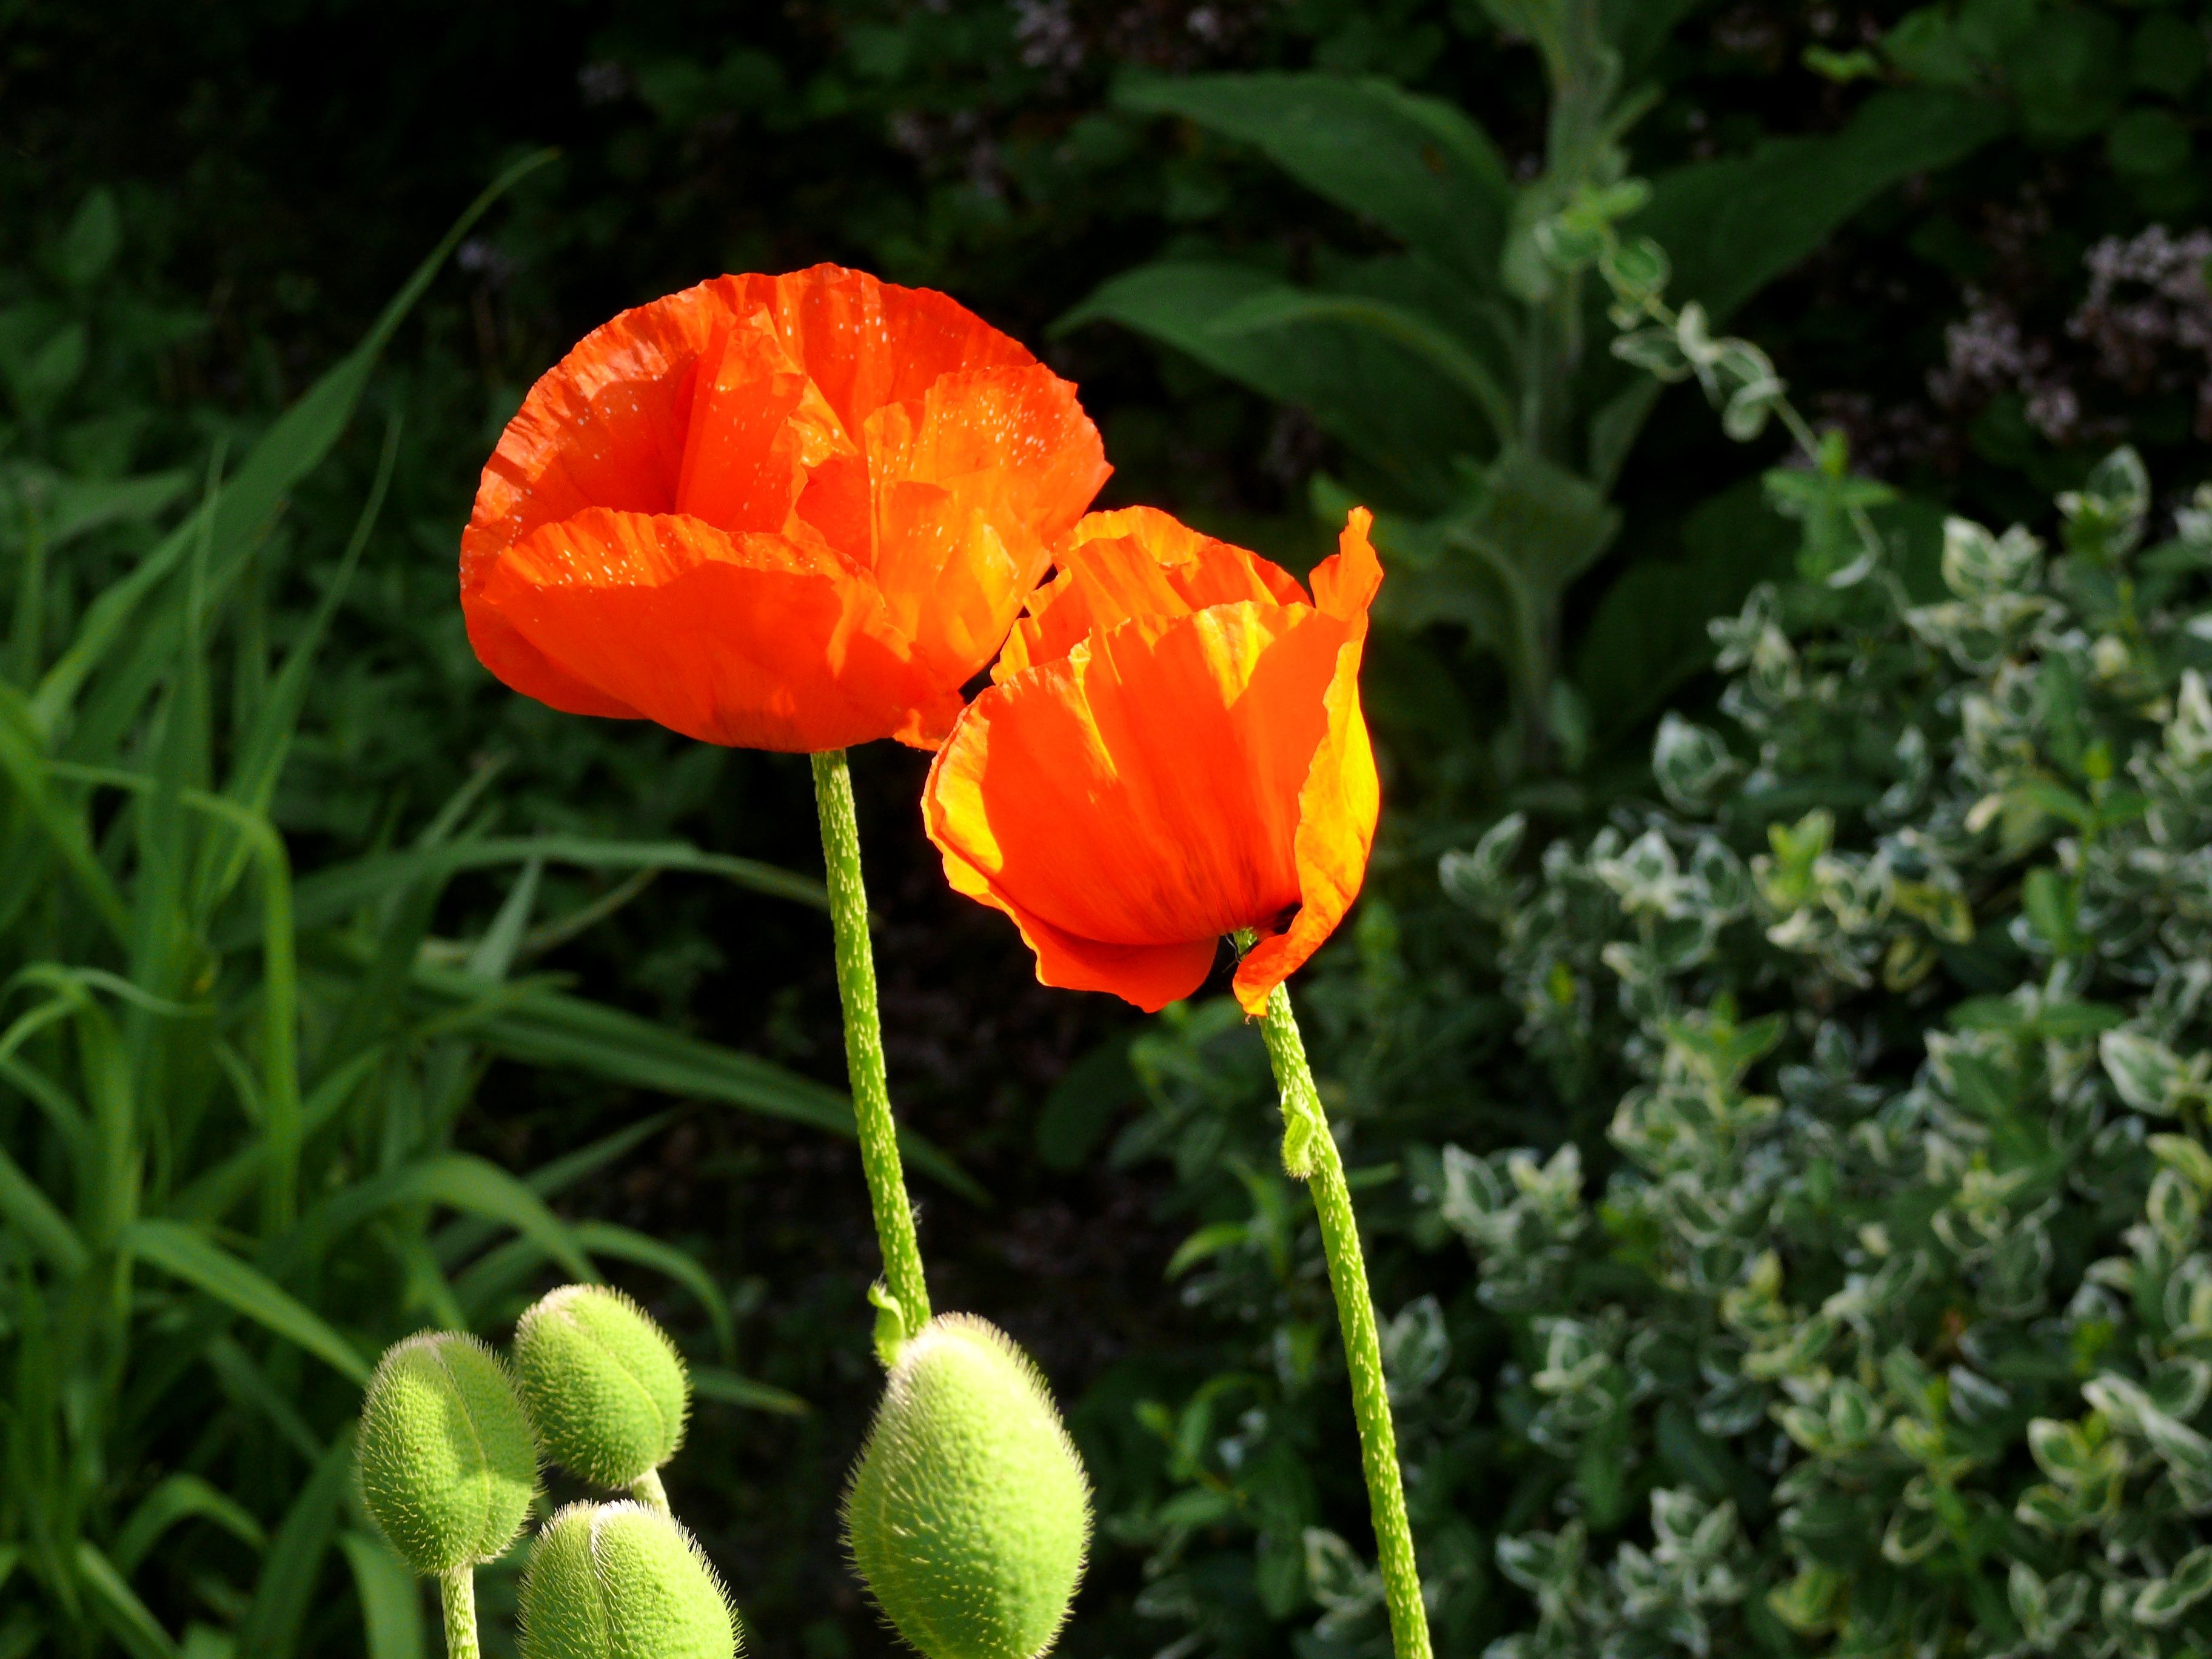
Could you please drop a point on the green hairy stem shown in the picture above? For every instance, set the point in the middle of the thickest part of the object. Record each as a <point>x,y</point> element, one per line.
<point>864,1043</point>
<point>1310,1155</point>
<point>648,1491</point>
<point>457,1590</point>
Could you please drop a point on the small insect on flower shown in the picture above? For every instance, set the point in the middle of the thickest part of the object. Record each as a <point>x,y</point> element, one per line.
<point>792,512</point>
<point>1172,749</point>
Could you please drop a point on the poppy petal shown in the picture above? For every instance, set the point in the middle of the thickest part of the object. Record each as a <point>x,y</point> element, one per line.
<point>604,427</point>
<point>1338,808</point>
<point>757,426</point>
<point>1144,791</point>
<point>1345,583</point>
<point>868,343</point>
<point>974,488</point>
<point>746,639</point>
<point>1137,562</point>
<point>1149,975</point>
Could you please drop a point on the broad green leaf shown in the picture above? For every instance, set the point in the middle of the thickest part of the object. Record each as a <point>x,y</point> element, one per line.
<point>1647,632</point>
<point>118,1607</point>
<point>391,1597</point>
<point>1381,400</point>
<point>214,1272</point>
<point>1499,564</point>
<point>1288,308</point>
<point>1732,226</point>
<point>1414,165</point>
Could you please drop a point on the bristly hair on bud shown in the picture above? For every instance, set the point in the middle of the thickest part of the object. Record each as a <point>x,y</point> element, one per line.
<point>446,1461</point>
<point>969,1514</point>
<point>624,1581</point>
<point>604,1382</point>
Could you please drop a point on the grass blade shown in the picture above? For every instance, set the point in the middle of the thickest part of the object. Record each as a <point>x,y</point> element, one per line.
<point>182,1497</point>
<point>548,1028</point>
<point>729,1389</point>
<point>119,1607</point>
<point>329,895</point>
<point>26,1208</point>
<point>391,1597</point>
<point>271,1629</point>
<point>213,1271</point>
<point>460,1182</point>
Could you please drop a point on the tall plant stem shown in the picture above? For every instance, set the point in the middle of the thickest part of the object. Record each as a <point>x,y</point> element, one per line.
<point>864,1043</point>
<point>1310,1155</point>
<point>457,1590</point>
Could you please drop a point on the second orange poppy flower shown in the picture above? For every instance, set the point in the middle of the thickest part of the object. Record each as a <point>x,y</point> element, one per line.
<point>1172,749</point>
<point>790,513</point>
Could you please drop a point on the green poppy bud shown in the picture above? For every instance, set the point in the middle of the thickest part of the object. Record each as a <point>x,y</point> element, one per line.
<point>620,1581</point>
<point>604,1384</point>
<point>447,1463</point>
<point>968,1514</point>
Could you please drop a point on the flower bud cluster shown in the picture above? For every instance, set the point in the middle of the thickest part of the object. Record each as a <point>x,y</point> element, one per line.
<point>968,1514</point>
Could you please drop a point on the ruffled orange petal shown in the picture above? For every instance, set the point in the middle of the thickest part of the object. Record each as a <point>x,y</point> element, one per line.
<point>868,343</point>
<point>1144,791</point>
<point>746,640</point>
<point>1150,975</point>
<point>605,427</point>
<point>1345,583</point>
<point>973,485</point>
<point>1136,561</point>
<point>1337,811</point>
<point>1342,796</point>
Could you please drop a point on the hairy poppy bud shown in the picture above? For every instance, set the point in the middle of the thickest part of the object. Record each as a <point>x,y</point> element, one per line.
<point>448,1464</point>
<point>969,1513</point>
<point>605,1385</point>
<point>620,1581</point>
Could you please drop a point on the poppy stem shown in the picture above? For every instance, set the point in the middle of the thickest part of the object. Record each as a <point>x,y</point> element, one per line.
<point>1310,1155</point>
<point>864,1057</point>
<point>457,1594</point>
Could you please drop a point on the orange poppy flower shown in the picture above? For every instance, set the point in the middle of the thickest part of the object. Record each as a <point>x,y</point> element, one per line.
<point>791,513</point>
<point>1171,749</point>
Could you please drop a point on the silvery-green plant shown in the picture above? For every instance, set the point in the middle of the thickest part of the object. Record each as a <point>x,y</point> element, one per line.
<point>1896,1320</point>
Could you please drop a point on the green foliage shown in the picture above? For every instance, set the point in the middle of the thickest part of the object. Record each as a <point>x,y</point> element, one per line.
<point>448,1461</point>
<point>230,1087</point>
<point>620,1581</point>
<point>969,1514</point>
<point>1862,1313</point>
<point>605,1386</point>
<point>1455,372</point>
<point>1885,1314</point>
